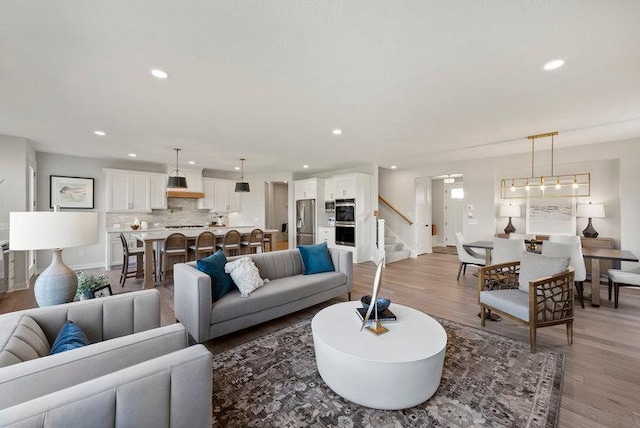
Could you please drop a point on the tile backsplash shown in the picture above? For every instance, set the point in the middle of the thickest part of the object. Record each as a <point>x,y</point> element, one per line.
<point>181,211</point>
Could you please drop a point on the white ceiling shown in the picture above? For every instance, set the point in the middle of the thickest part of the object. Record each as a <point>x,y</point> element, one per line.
<point>407,81</point>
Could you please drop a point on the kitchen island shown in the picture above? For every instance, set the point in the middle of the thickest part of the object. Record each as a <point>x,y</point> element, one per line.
<point>148,237</point>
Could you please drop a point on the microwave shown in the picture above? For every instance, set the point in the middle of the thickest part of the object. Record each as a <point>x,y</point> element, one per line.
<point>329,206</point>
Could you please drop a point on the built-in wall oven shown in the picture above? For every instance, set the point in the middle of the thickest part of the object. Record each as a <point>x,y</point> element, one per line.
<point>346,222</point>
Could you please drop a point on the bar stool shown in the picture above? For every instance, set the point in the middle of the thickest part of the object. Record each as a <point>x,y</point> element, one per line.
<point>205,245</point>
<point>255,241</point>
<point>230,243</point>
<point>175,247</point>
<point>138,253</point>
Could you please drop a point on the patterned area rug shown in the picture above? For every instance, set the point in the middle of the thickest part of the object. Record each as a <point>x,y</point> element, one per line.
<point>488,380</point>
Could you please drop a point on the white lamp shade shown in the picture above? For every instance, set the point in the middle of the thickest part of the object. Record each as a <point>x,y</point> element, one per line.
<point>510,211</point>
<point>42,230</point>
<point>590,210</point>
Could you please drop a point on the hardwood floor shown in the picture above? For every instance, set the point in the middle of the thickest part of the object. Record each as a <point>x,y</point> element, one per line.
<point>602,371</point>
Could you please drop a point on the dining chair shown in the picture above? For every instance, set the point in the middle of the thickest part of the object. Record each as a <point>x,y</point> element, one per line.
<point>622,278</point>
<point>565,238</point>
<point>527,237</point>
<point>230,243</point>
<point>467,256</point>
<point>138,253</point>
<point>175,248</point>
<point>573,250</point>
<point>255,241</point>
<point>507,250</point>
<point>205,245</point>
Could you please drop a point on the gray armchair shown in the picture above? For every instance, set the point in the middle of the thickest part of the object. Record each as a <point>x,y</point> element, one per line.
<point>547,301</point>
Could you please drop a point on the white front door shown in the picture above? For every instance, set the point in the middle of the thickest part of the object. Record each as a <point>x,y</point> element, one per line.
<point>453,211</point>
<point>423,215</point>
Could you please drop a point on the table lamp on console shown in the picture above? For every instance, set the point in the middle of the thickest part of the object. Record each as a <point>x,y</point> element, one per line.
<point>53,230</point>
<point>590,211</point>
<point>510,211</point>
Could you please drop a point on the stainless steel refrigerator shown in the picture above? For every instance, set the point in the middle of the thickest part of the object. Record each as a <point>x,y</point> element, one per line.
<point>306,222</point>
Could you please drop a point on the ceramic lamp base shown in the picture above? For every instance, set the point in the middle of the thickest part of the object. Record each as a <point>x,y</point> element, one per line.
<point>589,231</point>
<point>509,229</point>
<point>57,284</point>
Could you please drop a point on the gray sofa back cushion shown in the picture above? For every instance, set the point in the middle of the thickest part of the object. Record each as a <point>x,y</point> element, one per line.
<point>21,339</point>
<point>173,390</point>
<point>100,319</point>
<point>276,264</point>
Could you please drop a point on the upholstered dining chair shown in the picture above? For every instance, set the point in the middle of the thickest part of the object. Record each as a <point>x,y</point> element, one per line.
<point>507,250</point>
<point>536,291</point>
<point>204,246</point>
<point>467,256</point>
<point>138,253</point>
<point>230,243</point>
<point>619,278</point>
<point>523,236</point>
<point>565,239</point>
<point>573,250</point>
<point>174,251</point>
<point>255,241</point>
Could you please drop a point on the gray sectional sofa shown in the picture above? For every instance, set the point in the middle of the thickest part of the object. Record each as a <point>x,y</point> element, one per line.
<point>147,369</point>
<point>289,290</point>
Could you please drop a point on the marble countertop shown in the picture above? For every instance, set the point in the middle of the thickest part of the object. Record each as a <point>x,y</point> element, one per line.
<point>177,229</point>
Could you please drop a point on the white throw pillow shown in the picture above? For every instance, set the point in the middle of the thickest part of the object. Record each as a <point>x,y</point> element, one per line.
<point>245,275</point>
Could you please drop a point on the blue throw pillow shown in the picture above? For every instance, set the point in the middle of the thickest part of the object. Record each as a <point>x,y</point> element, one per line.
<point>213,265</point>
<point>316,258</point>
<point>70,337</point>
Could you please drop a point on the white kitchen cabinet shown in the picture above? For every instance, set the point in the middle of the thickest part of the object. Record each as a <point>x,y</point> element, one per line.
<point>219,196</point>
<point>306,189</point>
<point>328,235</point>
<point>209,189</point>
<point>346,186</point>
<point>128,191</point>
<point>158,191</point>
<point>233,198</point>
<point>330,189</point>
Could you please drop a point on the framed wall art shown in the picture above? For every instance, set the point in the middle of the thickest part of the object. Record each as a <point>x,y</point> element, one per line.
<point>551,216</point>
<point>71,192</point>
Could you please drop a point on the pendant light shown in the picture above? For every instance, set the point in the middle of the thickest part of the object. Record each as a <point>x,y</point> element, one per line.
<point>178,180</point>
<point>546,186</point>
<point>242,186</point>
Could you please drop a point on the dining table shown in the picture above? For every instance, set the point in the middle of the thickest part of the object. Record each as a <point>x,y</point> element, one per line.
<point>149,238</point>
<point>594,254</point>
<point>597,254</point>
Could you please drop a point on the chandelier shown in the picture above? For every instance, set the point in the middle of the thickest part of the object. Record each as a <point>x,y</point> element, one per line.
<point>546,186</point>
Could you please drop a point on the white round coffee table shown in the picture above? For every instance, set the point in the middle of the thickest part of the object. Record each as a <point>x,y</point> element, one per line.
<point>396,370</point>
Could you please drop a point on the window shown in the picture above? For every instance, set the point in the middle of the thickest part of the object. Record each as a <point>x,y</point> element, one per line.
<point>457,193</point>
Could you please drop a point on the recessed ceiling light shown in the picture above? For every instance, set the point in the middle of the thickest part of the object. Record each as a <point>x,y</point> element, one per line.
<point>237,168</point>
<point>305,166</point>
<point>159,73</point>
<point>393,167</point>
<point>337,131</point>
<point>132,155</point>
<point>192,162</point>
<point>99,132</point>
<point>552,65</point>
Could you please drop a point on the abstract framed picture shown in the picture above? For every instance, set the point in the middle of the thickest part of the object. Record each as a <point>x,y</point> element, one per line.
<point>71,192</point>
<point>551,216</point>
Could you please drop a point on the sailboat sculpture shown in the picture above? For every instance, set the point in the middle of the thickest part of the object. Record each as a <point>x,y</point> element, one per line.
<point>376,326</point>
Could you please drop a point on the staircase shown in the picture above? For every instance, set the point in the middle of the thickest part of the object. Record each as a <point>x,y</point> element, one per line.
<point>394,250</point>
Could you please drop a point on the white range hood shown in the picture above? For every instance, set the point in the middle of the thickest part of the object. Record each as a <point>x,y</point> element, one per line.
<point>194,183</point>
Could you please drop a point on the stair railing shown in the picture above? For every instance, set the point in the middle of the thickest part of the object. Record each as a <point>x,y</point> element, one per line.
<point>396,210</point>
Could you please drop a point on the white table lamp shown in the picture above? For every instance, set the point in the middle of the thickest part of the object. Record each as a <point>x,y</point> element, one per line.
<point>44,230</point>
<point>590,211</point>
<point>510,211</point>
